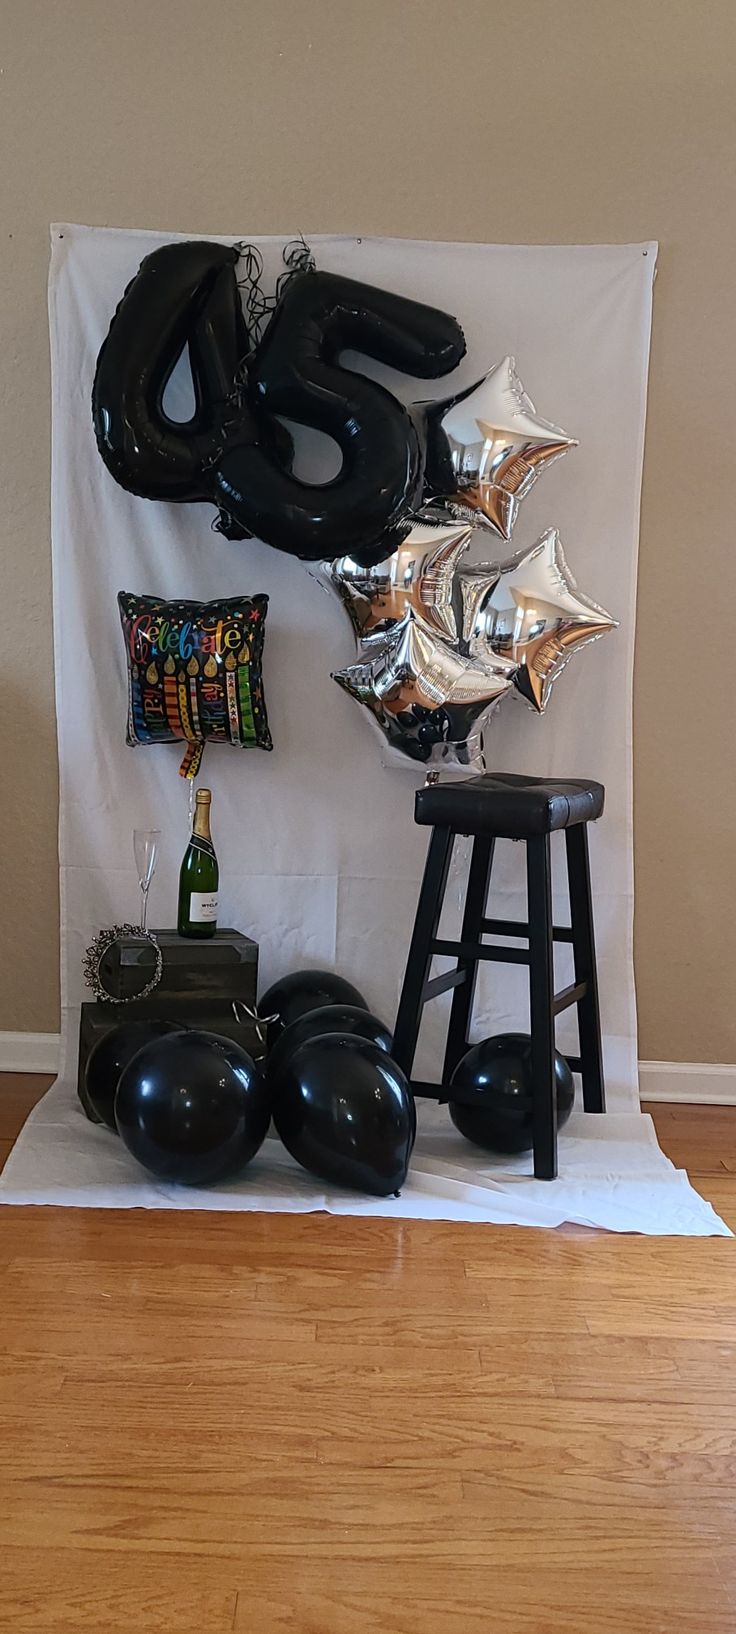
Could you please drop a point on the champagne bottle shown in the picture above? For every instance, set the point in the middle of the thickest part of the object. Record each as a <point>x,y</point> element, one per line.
<point>199,876</point>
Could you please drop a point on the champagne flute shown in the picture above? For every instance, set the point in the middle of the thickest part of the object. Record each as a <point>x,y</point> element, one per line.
<point>145,851</point>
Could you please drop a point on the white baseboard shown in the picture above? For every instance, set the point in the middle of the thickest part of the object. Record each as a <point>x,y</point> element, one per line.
<point>685,1082</point>
<point>29,1052</point>
<point>696,1083</point>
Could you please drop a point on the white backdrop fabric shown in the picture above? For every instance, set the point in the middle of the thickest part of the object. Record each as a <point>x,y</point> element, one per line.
<point>319,856</point>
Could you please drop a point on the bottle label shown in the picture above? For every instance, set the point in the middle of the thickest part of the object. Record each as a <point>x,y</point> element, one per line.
<point>202,907</point>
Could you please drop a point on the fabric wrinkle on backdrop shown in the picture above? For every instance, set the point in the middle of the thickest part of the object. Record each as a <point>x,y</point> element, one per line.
<point>320,860</point>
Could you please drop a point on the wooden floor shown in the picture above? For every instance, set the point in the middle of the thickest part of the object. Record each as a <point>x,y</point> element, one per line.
<point>295,1424</point>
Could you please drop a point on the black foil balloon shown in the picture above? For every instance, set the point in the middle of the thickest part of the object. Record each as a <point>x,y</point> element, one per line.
<point>192,1108</point>
<point>233,450</point>
<point>182,293</point>
<point>292,996</point>
<point>296,372</point>
<point>345,1111</point>
<point>491,1097</point>
<point>329,1018</point>
<point>107,1061</point>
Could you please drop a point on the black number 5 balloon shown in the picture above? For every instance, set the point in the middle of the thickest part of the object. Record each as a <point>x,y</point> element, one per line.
<point>233,451</point>
<point>297,372</point>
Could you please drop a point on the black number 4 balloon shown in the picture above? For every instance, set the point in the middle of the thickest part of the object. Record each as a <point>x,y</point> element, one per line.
<point>233,451</point>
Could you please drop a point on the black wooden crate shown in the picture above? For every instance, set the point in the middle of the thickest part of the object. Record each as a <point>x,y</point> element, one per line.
<point>98,1019</point>
<point>223,966</point>
<point>199,982</point>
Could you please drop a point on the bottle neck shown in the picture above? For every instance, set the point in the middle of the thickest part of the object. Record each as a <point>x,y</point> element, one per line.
<point>201,826</point>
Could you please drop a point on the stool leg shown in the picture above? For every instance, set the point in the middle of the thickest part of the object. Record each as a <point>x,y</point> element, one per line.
<point>541,997</point>
<point>429,909</point>
<point>583,943</point>
<point>479,876</point>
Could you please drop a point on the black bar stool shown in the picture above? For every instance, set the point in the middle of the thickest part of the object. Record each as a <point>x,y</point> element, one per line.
<point>493,807</point>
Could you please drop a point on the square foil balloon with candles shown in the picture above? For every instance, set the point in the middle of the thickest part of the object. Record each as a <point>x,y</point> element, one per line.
<point>194,673</point>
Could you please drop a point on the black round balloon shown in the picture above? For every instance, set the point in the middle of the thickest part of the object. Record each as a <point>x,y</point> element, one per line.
<point>192,1108</point>
<point>329,1018</point>
<point>490,1097</point>
<point>345,1111</point>
<point>292,996</point>
<point>107,1061</point>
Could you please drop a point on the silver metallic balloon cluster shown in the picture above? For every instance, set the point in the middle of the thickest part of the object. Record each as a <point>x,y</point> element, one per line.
<point>441,641</point>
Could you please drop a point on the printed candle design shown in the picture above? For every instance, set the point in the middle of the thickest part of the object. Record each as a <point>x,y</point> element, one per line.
<point>194,672</point>
<point>181,693</point>
<point>136,715</point>
<point>246,701</point>
<point>171,698</point>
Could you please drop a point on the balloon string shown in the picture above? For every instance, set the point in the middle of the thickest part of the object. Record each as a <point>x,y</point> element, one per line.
<point>297,258</point>
<point>260,1022</point>
<point>323,587</point>
<point>259,308</point>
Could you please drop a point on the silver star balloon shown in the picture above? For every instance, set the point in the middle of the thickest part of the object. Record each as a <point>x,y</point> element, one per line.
<point>474,584</point>
<point>428,699</point>
<point>421,575</point>
<point>486,448</point>
<point>534,617</point>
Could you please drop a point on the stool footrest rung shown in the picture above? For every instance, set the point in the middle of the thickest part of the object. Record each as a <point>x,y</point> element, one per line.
<point>442,984</point>
<point>442,1093</point>
<point>568,996</point>
<point>476,950</point>
<point>431,1092</point>
<point>516,927</point>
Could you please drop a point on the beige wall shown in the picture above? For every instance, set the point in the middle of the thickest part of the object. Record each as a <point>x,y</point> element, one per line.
<point>552,121</point>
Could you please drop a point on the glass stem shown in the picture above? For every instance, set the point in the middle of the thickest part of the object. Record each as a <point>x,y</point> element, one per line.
<point>144,907</point>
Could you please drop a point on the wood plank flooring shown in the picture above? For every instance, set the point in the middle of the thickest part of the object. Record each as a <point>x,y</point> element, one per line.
<point>307,1425</point>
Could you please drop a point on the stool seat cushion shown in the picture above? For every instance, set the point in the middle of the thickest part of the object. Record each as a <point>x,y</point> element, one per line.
<point>509,806</point>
